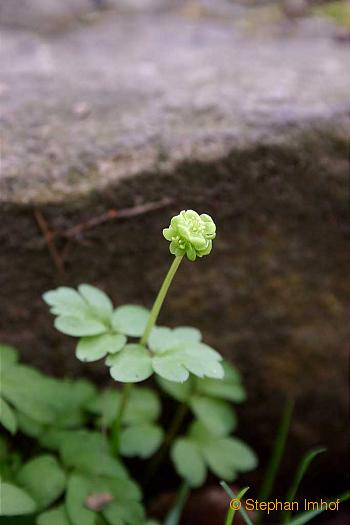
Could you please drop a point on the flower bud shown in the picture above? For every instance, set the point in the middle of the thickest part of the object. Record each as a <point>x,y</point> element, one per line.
<point>190,234</point>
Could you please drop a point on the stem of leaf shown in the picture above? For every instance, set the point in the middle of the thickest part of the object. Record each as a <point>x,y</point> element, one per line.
<point>174,516</point>
<point>160,299</point>
<point>276,455</point>
<point>233,496</point>
<point>302,468</point>
<point>174,428</point>
<point>117,423</point>
<point>232,511</point>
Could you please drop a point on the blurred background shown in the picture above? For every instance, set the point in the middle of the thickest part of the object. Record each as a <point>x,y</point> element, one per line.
<point>116,114</point>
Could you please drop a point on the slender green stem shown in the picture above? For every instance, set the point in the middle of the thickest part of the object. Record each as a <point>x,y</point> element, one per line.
<point>277,453</point>
<point>301,470</point>
<point>233,496</point>
<point>174,516</point>
<point>232,510</point>
<point>117,423</point>
<point>174,428</point>
<point>160,299</point>
<point>305,517</point>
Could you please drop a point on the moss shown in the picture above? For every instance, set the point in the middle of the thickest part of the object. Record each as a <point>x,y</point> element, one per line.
<point>339,11</point>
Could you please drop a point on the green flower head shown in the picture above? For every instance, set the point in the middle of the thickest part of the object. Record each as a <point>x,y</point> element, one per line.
<point>190,234</point>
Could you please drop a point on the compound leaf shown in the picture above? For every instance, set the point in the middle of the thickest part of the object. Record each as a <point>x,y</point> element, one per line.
<point>79,327</point>
<point>188,461</point>
<point>140,440</point>
<point>96,347</point>
<point>43,478</point>
<point>215,414</point>
<point>7,417</point>
<point>98,301</point>
<point>130,319</point>
<point>55,516</point>
<point>131,365</point>
<point>15,501</point>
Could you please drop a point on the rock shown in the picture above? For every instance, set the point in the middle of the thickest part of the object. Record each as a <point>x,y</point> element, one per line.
<point>252,128</point>
<point>41,15</point>
<point>57,15</point>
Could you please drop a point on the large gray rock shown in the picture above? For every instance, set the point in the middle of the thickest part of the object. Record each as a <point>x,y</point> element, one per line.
<point>55,15</point>
<point>249,125</point>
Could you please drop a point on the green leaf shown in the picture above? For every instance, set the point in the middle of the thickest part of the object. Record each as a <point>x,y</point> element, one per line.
<point>55,516</point>
<point>201,360</point>
<point>168,366</point>
<point>98,301</point>
<point>224,456</point>
<point>105,404</point>
<point>7,417</point>
<point>78,489</point>
<point>178,352</point>
<point>127,507</point>
<point>8,356</point>
<point>42,399</point>
<point>187,334</point>
<point>197,358</point>
<point>174,515</point>
<point>66,302</point>
<point>242,456</point>
<point>29,426</point>
<point>229,387</point>
<point>80,391</point>
<point>300,473</point>
<point>53,438</point>
<point>43,478</point>
<point>188,461</point>
<point>14,501</point>
<point>4,448</point>
<point>141,440</point>
<point>305,517</point>
<point>125,492</point>
<point>227,456</point>
<point>131,513</point>
<point>79,327</point>
<point>179,391</point>
<point>143,406</point>
<point>88,451</point>
<point>23,387</point>
<point>130,319</point>
<point>219,462</point>
<point>162,338</point>
<point>277,452</point>
<point>98,346</point>
<point>232,511</point>
<point>131,365</point>
<point>232,495</point>
<point>81,314</point>
<point>217,415</point>
<point>197,432</point>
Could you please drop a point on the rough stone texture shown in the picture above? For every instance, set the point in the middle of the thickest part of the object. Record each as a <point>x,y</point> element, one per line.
<point>192,104</point>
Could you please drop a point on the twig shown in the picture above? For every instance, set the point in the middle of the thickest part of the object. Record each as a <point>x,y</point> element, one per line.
<point>48,236</point>
<point>114,214</point>
<point>75,231</point>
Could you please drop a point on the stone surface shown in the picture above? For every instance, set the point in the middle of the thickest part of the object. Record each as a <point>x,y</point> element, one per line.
<point>157,90</point>
<point>199,105</point>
